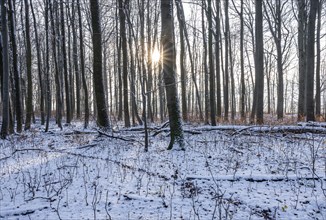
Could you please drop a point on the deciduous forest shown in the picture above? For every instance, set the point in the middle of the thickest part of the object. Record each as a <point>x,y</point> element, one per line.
<point>118,101</point>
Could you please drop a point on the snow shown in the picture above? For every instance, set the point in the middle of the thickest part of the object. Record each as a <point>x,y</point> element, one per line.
<point>79,174</point>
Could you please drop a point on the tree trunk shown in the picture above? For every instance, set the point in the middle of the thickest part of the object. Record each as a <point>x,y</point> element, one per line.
<point>180,13</point>
<point>82,65</point>
<point>275,22</point>
<point>310,68</point>
<point>259,63</point>
<point>18,99</point>
<point>205,64</point>
<point>302,23</point>
<point>212,79</point>
<point>182,65</point>
<point>29,100</point>
<point>217,61</point>
<point>75,59</point>
<point>53,9</point>
<point>168,45</point>
<point>65,66</point>
<point>318,87</point>
<point>149,65</point>
<point>132,78</point>
<point>39,66</point>
<point>226,57</point>
<point>47,68</point>
<point>5,72</point>
<point>122,10</point>
<point>102,116</point>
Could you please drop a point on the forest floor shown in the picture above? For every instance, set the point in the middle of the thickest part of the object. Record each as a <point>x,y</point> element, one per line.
<point>235,172</point>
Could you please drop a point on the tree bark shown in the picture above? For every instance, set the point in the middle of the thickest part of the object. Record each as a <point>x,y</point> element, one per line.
<point>310,68</point>
<point>180,12</point>
<point>217,61</point>
<point>65,66</point>
<point>122,11</point>
<point>5,71</point>
<point>259,63</point>
<point>29,99</point>
<point>53,10</point>
<point>212,79</point>
<point>17,89</point>
<point>75,59</point>
<point>39,66</point>
<point>205,68</point>
<point>318,87</point>
<point>82,65</point>
<point>47,68</point>
<point>168,45</point>
<point>182,63</point>
<point>226,57</point>
<point>102,116</point>
<point>302,23</point>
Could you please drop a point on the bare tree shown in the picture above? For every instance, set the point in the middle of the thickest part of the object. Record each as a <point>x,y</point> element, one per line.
<point>82,65</point>
<point>47,68</point>
<point>18,104</point>
<point>275,18</point>
<point>302,25</point>
<point>259,63</point>
<point>5,71</point>
<point>122,11</point>
<point>102,116</point>
<point>39,64</point>
<point>65,65</point>
<point>226,59</point>
<point>168,45</point>
<point>318,36</point>
<point>310,68</point>
<point>29,100</point>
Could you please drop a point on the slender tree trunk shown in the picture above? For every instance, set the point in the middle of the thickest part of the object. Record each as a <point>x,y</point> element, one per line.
<point>39,66</point>
<point>149,64</point>
<point>53,9</point>
<point>205,65</point>
<point>227,65</point>
<point>212,78</point>
<point>47,68</point>
<point>134,111</point>
<point>65,66</point>
<point>243,85</point>
<point>82,65</point>
<point>302,23</point>
<point>5,71</point>
<point>75,59</point>
<point>119,72</point>
<point>18,100</point>
<point>259,63</point>
<point>29,100</point>
<point>310,68</point>
<point>318,87</point>
<point>168,45</point>
<point>102,116</point>
<point>180,13</point>
<point>233,102</point>
<point>217,61</point>
<point>275,26</point>
<point>122,10</point>
<point>182,64</point>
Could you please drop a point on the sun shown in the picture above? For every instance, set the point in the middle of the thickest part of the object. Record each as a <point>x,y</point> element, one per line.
<point>156,56</point>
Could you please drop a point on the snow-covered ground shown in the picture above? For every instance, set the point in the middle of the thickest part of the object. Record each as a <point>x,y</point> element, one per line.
<point>223,174</point>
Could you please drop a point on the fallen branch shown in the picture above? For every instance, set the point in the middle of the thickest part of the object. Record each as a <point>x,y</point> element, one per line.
<point>258,179</point>
<point>265,129</point>
<point>114,137</point>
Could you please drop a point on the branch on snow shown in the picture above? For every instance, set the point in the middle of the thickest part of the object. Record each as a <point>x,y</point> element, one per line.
<point>115,137</point>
